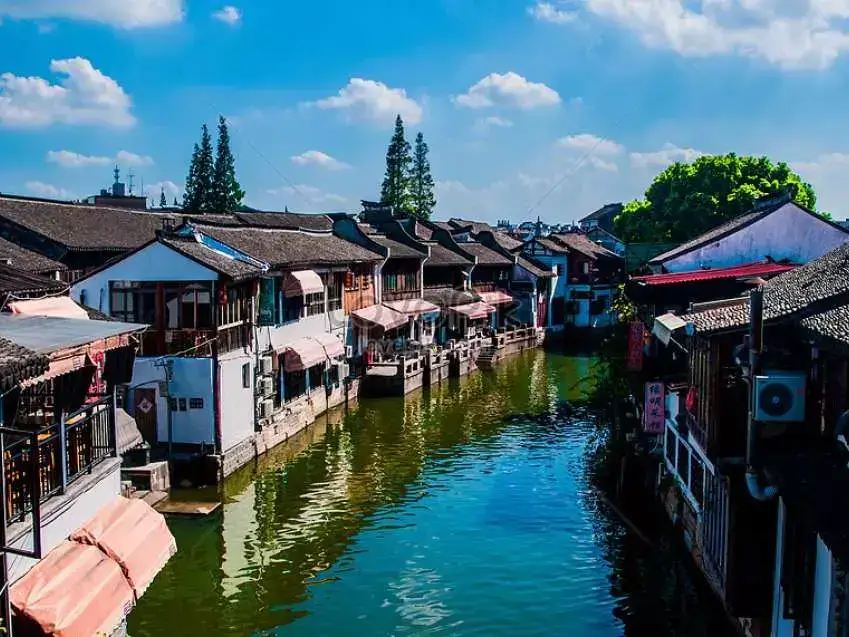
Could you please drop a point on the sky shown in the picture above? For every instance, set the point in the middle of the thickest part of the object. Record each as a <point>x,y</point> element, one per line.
<point>547,109</point>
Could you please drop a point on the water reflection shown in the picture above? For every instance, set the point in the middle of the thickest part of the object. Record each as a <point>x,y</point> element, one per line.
<point>468,510</point>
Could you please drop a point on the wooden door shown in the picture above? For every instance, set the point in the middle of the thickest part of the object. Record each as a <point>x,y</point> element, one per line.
<point>144,411</point>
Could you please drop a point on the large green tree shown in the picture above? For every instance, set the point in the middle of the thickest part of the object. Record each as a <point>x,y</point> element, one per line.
<point>396,190</point>
<point>686,200</point>
<point>198,197</point>
<point>421,181</point>
<point>227,194</point>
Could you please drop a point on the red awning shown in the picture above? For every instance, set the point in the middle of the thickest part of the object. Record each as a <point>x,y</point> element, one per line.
<point>75,591</point>
<point>737,272</point>
<point>412,307</point>
<point>61,306</point>
<point>303,354</point>
<point>134,536</point>
<point>477,310</point>
<point>495,298</point>
<point>381,316</point>
<point>301,283</point>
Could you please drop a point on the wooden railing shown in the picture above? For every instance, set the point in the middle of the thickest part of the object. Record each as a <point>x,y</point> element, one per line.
<point>193,343</point>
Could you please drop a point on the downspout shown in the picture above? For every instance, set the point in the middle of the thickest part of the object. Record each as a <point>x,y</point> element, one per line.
<point>757,489</point>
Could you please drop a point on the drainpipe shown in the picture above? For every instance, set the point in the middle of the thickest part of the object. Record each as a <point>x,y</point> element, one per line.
<point>754,482</point>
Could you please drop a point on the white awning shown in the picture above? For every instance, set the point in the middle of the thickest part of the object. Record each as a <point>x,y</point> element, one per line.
<point>412,307</point>
<point>665,325</point>
<point>61,306</point>
<point>301,283</point>
<point>380,316</point>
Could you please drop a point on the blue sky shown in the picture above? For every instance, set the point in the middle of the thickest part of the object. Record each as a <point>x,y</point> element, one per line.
<point>529,108</point>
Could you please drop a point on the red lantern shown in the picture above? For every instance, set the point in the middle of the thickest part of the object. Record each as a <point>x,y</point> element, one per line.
<point>222,295</point>
<point>349,280</point>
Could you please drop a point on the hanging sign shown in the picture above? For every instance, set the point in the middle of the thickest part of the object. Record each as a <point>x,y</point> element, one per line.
<point>636,335</point>
<point>654,416</point>
<point>266,302</point>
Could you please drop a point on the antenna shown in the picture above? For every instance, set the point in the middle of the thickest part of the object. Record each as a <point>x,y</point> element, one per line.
<point>130,176</point>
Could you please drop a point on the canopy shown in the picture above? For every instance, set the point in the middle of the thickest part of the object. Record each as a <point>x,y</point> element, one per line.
<point>412,307</point>
<point>129,435</point>
<point>381,316</point>
<point>301,283</point>
<point>61,306</point>
<point>75,591</point>
<point>303,354</point>
<point>332,345</point>
<point>477,310</point>
<point>132,534</point>
<point>495,298</point>
<point>59,367</point>
<point>665,325</point>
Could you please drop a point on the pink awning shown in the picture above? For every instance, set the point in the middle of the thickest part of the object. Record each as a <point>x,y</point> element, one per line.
<point>134,536</point>
<point>61,306</point>
<point>75,591</point>
<point>477,310</point>
<point>381,316</point>
<point>301,283</point>
<point>495,298</point>
<point>333,345</point>
<point>303,354</point>
<point>412,307</point>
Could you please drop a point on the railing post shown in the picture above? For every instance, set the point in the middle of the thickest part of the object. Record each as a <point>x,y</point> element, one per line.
<point>113,424</point>
<point>63,453</point>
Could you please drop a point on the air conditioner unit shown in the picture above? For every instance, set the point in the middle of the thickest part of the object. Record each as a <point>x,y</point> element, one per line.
<point>267,386</point>
<point>349,351</point>
<point>266,408</point>
<point>344,371</point>
<point>780,397</point>
<point>266,365</point>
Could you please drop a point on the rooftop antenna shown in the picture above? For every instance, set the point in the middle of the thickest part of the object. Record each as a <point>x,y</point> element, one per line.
<point>117,174</point>
<point>130,177</point>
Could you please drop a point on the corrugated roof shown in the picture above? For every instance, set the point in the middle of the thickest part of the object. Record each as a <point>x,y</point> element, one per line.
<point>736,272</point>
<point>47,334</point>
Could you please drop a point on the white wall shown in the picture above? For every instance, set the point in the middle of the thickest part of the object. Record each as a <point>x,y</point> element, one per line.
<point>788,233</point>
<point>238,403</point>
<point>192,379</point>
<point>156,262</point>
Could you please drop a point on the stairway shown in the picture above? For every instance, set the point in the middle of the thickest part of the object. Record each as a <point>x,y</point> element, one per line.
<point>486,357</point>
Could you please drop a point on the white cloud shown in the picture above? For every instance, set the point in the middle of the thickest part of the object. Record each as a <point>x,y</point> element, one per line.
<point>668,154</point>
<point>228,15</point>
<point>484,124</point>
<point>41,189</point>
<point>310,194</point>
<point>591,144</point>
<point>126,14</point>
<point>375,101</point>
<point>70,159</point>
<point>602,164</point>
<point>318,158</point>
<point>547,12</point>
<point>84,96</point>
<point>827,174</point>
<point>154,191</point>
<point>507,89</point>
<point>754,28</point>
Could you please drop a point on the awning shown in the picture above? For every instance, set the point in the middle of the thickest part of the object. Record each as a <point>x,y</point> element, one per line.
<point>301,283</point>
<point>381,316</point>
<point>477,310</point>
<point>303,354</point>
<point>61,306</point>
<point>132,534</point>
<point>58,367</point>
<point>129,435</point>
<point>333,346</point>
<point>665,325</point>
<point>495,298</point>
<point>412,307</point>
<point>75,591</point>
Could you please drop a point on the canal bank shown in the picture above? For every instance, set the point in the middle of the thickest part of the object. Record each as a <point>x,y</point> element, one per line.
<point>470,509</point>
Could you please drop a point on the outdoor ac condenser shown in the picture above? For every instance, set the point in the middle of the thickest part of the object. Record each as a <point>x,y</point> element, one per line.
<point>266,365</point>
<point>780,397</point>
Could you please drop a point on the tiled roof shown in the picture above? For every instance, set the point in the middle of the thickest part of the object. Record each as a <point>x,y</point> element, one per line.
<point>551,245</point>
<point>476,226</point>
<point>833,324</point>
<point>397,249</point>
<point>440,255</point>
<point>18,363</point>
<point>534,267</point>
<point>445,225</point>
<point>421,231</point>
<point>507,242</point>
<point>82,227</point>
<point>287,220</point>
<point>447,297</point>
<point>216,261</point>
<point>485,255</point>
<point>16,281</point>
<point>608,210</point>
<point>579,242</point>
<point>27,259</point>
<point>718,316</point>
<point>736,272</point>
<point>284,248</point>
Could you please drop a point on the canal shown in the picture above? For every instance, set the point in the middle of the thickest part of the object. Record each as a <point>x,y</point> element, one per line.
<point>468,510</point>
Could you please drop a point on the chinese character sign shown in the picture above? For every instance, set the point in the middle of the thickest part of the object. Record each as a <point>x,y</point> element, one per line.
<point>635,346</point>
<point>654,417</point>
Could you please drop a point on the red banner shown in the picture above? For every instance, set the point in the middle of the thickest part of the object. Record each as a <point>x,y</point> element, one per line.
<point>654,411</point>
<point>636,334</point>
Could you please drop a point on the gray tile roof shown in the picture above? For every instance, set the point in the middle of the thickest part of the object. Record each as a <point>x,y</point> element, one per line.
<point>579,242</point>
<point>833,324</point>
<point>534,267</point>
<point>609,210</point>
<point>718,316</point>
<point>18,363</point>
<point>440,256</point>
<point>16,281</point>
<point>233,268</point>
<point>507,242</point>
<point>287,220</point>
<point>27,259</point>
<point>397,249</point>
<point>550,244</point>
<point>446,297</point>
<point>485,255</point>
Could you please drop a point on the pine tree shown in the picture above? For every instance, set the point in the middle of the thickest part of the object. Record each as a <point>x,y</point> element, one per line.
<point>421,182</point>
<point>205,175</point>
<point>191,197</point>
<point>227,193</point>
<point>163,202</point>
<point>395,190</point>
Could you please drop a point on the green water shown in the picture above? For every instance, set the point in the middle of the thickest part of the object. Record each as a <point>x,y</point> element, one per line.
<point>468,510</point>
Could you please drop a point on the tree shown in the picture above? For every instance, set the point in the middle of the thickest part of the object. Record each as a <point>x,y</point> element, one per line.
<point>686,200</point>
<point>395,190</point>
<point>421,182</point>
<point>163,202</point>
<point>190,194</point>
<point>227,193</point>
<point>198,198</point>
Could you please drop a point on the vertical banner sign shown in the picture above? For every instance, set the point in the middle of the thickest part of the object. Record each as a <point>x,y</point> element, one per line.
<point>635,346</point>
<point>266,302</point>
<point>654,418</point>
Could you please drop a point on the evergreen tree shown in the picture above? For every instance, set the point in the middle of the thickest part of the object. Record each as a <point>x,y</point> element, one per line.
<point>395,190</point>
<point>421,182</point>
<point>163,202</point>
<point>205,175</point>
<point>191,195</point>
<point>176,203</point>
<point>227,193</point>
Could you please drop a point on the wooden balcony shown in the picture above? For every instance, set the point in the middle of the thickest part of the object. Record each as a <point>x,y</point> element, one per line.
<point>194,343</point>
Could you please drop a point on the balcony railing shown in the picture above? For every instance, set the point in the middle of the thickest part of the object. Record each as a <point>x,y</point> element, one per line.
<point>193,343</point>
<point>42,463</point>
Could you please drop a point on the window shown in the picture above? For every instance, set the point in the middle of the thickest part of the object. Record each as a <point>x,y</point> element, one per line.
<point>133,302</point>
<point>294,384</point>
<point>585,267</point>
<point>182,404</point>
<point>293,308</point>
<point>671,446</point>
<point>246,376</point>
<point>316,376</point>
<point>196,308</point>
<point>314,303</point>
<point>332,376</point>
<point>334,290</point>
<point>195,403</point>
<point>400,282</point>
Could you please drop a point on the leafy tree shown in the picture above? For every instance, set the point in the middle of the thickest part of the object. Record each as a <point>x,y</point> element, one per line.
<point>395,190</point>
<point>198,198</point>
<point>686,200</point>
<point>421,182</point>
<point>227,194</point>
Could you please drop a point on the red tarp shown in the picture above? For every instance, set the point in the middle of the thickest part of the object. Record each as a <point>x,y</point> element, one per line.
<point>736,272</point>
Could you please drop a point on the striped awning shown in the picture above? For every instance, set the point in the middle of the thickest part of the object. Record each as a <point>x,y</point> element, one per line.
<point>476,310</point>
<point>301,283</point>
<point>380,316</point>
